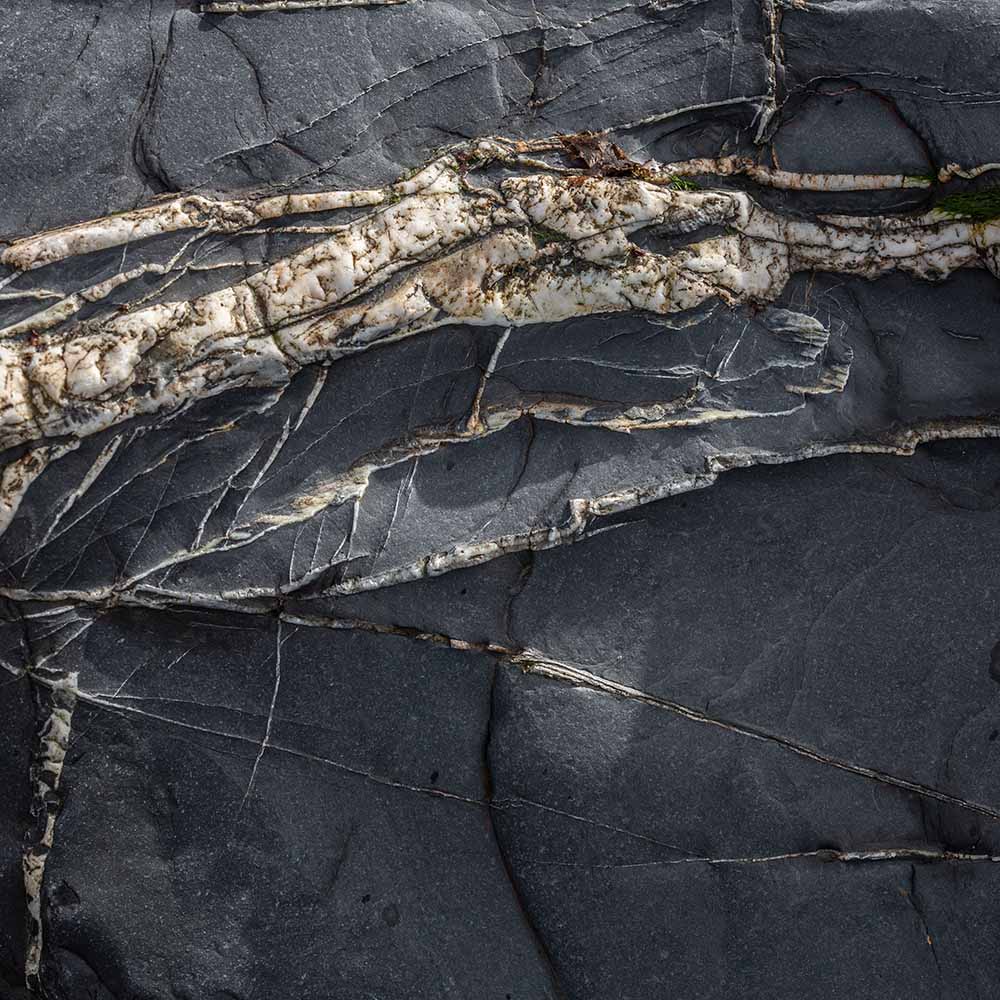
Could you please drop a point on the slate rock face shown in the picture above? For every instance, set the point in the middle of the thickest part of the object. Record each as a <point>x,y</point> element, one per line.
<point>498,500</point>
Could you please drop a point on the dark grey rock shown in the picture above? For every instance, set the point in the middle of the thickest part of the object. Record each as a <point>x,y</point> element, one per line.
<point>433,670</point>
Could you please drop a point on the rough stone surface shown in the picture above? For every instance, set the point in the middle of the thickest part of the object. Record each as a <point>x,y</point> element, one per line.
<point>499,500</point>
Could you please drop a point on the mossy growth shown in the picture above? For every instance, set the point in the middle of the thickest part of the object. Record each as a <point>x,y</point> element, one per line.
<point>976,206</point>
<point>683,184</point>
<point>542,236</point>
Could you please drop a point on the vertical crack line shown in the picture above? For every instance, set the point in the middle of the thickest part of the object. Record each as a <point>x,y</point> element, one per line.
<point>57,698</point>
<point>769,105</point>
<point>918,907</point>
<point>540,946</point>
<point>266,741</point>
<point>146,161</point>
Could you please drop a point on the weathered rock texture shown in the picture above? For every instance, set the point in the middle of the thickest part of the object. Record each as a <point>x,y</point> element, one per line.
<point>499,500</point>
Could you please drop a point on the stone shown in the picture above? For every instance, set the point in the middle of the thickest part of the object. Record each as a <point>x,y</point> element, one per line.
<point>497,499</point>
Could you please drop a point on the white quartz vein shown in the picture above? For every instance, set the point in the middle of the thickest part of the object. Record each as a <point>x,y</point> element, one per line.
<point>538,240</point>
<point>536,247</point>
<point>60,692</point>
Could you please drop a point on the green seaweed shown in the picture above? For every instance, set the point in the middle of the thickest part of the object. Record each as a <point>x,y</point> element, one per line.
<point>542,235</point>
<point>976,206</point>
<point>683,184</point>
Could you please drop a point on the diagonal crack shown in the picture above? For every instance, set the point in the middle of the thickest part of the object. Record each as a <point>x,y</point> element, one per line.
<point>535,663</point>
<point>531,661</point>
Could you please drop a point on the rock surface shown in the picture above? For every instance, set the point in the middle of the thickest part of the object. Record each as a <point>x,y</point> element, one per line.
<point>499,499</point>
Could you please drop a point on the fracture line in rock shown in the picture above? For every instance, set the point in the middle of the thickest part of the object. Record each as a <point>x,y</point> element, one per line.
<point>531,661</point>
<point>54,532</point>
<point>58,694</point>
<point>99,464</point>
<point>108,705</point>
<point>825,855</point>
<point>540,248</point>
<point>583,511</point>
<point>535,663</point>
<point>788,180</point>
<point>266,741</point>
<point>65,687</point>
<point>249,7</point>
<point>29,293</point>
<point>352,484</point>
<point>661,116</point>
<point>535,248</point>
<point>769,106</point>
<point>18,475</point>
<point>195,211</point>
<point>70,305</point>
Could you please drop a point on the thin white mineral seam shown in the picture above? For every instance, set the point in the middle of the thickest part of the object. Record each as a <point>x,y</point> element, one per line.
<point>46,772</point>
